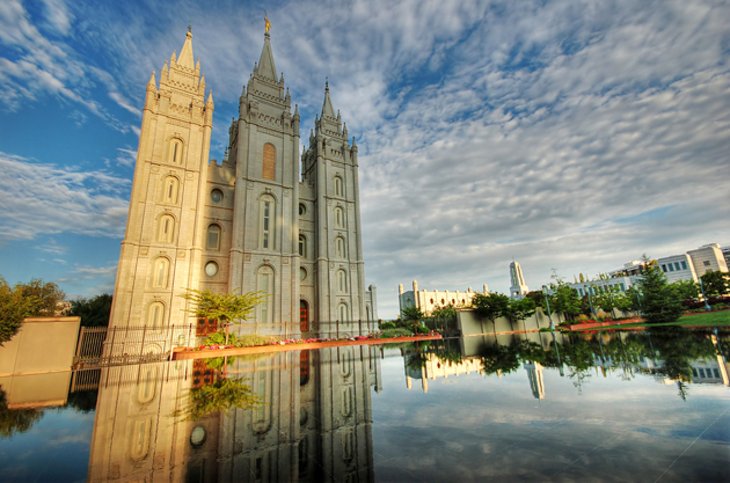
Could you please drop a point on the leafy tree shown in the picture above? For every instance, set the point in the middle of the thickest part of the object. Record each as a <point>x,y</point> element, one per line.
<point>633,298</point>
<point>715,283</point>
<point>224,307</point>
<point>445,314</point>
<point>45,296</point>
<point>411,314</point>
<point>537,297</point>
<point>685,291</point>
<point>659,302</point>
<point>25,300</point>
<point>94,312</point>
<point>491,305</point>
<point>565,300</point>
<point>519,309</point>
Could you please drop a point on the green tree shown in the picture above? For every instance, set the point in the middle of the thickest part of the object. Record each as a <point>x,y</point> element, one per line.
<point>519,309</point>
<point>94,311</point>
<point>491,305</point>
<point>25,300</point>
<point>537,297</point>
<point>659,302</point>
<point>45,295</point>
<point>685,291</point>
<point>565,300</point>
<point>224,307</point>
<point>715,283</point>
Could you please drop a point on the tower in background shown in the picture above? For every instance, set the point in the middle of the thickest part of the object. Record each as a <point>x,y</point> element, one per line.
<point>518,289</point>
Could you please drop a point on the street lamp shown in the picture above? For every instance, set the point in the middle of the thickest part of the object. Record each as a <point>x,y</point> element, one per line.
<point>547,304</point>
<point>704,297</point>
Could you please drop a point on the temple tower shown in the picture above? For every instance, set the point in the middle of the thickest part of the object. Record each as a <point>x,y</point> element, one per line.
<point>330,188</point>
<point>519,287</point>
<point>265,149</point>
<point>161,251</point>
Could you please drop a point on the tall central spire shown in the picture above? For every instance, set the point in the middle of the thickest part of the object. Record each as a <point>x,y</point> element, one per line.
<point>266,66</point>
<point>186,53</point>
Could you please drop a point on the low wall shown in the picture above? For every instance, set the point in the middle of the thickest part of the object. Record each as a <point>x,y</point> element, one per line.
<point>43,344</point>
<point>469,323</point>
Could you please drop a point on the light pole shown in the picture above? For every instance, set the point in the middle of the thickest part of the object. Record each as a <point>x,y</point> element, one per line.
<point>704,297</point>
<point>547,305</point>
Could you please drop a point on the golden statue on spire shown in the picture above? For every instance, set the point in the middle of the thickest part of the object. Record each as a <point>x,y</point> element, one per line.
<point>267,24</point>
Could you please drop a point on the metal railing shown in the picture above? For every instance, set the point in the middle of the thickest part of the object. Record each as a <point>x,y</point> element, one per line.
<point>114,346</point>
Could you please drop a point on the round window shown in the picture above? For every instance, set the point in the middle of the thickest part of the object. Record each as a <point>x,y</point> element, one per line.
<point>197,437</point>
<point>211,268</point>
<point>216,195</point>
<point>302,209</point>
<point>302,274</point>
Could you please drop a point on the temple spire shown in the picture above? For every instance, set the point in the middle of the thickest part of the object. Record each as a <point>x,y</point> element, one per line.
<point>327,109</point>
<point>186,53</point>
<point>266,66</point>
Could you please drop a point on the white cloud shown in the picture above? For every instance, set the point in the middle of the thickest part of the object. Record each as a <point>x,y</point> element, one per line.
<point>41,198</point>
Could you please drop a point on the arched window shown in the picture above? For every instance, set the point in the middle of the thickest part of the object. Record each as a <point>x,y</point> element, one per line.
<point>267,221</point>
<point>340,247</point>
<point>268,169</point>
<point>160,273</point>
<point>339,190</point>
<point>166,229</point>
<point>343,313</point>
<point>341,280</point>
<point>175,151</point>
<point>303,317</point>
<point>302,246</point>
<point>170,190</point>
<point>155,314</point>
<point>265,284</point>
<point>339,217</point>
<point>213,240</point>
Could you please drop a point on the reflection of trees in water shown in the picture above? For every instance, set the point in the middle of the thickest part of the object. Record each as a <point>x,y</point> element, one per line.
<point>14,421</point>
<point>673,350</point>
<point>221,395</point>
<point>84,401</point>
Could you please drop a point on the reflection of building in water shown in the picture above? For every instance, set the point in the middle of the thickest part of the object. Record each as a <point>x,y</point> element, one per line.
<point>314,422</point>
<point>428,300</point>
<point>253,222</point>
<point>537,383</point>
<point>518,289</point>
<point>432,367</point>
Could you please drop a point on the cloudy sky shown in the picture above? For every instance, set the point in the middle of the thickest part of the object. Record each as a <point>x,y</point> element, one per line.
<point>569,135</point>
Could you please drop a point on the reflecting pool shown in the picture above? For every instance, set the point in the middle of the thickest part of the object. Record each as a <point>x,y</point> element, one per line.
<point>636,406</point>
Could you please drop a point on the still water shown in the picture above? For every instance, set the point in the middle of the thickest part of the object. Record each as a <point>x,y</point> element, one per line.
<point>613,406</point>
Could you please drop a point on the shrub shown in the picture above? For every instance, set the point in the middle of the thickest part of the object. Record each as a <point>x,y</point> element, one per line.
<point>387,325</point>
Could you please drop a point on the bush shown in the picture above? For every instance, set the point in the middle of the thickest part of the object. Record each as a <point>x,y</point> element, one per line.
<point>387,325</point>
<point>397,332</point>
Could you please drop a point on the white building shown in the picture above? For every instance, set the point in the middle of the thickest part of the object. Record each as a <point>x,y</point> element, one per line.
<point>428,300</point>
<point>255,222</point>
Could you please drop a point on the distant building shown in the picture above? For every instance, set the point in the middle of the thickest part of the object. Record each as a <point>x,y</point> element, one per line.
<point>428,300</point>
<point>519,287</point>
<point>678,267</point>
<point>599,285</point>
<point>708,258</point>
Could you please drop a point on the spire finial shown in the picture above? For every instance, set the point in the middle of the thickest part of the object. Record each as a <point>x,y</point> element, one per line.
<point>267,24</point>
<point>327,83</point>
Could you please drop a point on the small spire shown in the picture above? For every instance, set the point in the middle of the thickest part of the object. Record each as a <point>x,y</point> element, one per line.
<point>209,102</point>
<point>327,109</point>
<point>296,110</point>
<point>152,84</point>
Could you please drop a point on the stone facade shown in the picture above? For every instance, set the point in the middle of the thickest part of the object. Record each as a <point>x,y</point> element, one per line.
<point>252,222</point>
<point>429,300</point>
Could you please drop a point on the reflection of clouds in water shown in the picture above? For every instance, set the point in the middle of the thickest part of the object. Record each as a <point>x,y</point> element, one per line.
<point>476,428</point>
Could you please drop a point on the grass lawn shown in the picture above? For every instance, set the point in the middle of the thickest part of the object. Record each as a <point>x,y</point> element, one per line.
<point>709,319</point>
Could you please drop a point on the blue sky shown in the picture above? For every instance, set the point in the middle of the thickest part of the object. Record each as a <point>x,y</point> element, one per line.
<point>570,135</point>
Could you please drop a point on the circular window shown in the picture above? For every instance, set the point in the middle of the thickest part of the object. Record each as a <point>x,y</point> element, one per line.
<point>211,268</point>
<point>216,195</point>
<point>302,209</point>
<point>302,274</point>
<point>197,437</point>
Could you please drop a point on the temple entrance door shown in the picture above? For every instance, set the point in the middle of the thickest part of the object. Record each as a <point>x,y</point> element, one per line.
<point>303,316</point>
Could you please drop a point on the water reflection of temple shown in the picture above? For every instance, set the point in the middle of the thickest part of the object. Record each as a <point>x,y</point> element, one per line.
<point>313,421</point>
